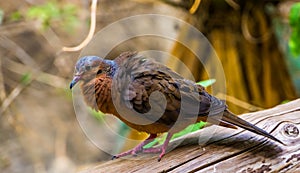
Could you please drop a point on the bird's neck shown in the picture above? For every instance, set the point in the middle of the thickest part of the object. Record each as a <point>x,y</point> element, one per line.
<point>113,65</point>
<point>124,56</point>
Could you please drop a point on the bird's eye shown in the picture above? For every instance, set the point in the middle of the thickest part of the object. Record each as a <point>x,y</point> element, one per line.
<point>88,67</point>
<point>99,71</point>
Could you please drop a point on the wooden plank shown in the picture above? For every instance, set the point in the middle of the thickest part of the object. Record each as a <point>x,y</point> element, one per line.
<point>227,150</point>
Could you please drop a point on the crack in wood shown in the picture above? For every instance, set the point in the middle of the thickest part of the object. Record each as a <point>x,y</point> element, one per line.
<point>261,169</point>
<point>227,157</point>
<point>294,156</point>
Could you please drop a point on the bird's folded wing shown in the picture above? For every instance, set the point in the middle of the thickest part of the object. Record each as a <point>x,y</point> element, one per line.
<point>153,87</point>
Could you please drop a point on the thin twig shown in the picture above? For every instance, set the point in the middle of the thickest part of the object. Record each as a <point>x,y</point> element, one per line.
<point>26,59</point>
<point>18,51</point>
<point>52,80</point>
<point>42,77</point>
<point>11,97</point>
<point>2,88</point>
<point>52,38</point>
<point>15,28</point>
<point>233,4</point>
<point>15,92</point>
<point>195,6</point>
<point>91,31</point>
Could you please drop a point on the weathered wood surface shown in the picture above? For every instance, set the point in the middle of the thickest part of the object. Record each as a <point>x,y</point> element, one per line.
<point>228,150</point>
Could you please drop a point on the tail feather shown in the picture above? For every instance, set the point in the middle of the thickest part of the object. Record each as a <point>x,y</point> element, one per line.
<point>229,117</point>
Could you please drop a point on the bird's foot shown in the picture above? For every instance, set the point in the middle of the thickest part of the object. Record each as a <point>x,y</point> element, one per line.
<point>161,149</point>
<point>136,149</point>
<point>132,152</point>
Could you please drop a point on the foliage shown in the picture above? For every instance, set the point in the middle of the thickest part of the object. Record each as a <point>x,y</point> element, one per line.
<point>63,14</point>
<point>285,101</point>
<point>96,114</point>
<point>206,83</point>
<point>294,42</point>
<point>26,78</point>
<point>1,16</point>
<point>15,16</point>
<point>187,130</point>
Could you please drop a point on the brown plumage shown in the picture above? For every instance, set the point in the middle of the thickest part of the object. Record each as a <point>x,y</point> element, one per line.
<point>150,97</point>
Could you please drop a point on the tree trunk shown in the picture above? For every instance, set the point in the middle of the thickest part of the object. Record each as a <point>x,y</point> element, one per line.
<point>244,40</point>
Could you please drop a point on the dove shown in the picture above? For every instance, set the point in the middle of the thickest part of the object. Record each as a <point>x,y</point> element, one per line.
<point>150,97</point>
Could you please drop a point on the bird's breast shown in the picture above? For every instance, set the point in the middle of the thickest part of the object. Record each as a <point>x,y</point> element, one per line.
<point>97,94</point>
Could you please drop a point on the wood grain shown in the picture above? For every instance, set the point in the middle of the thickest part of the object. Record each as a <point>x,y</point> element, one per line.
<point>227,150</point>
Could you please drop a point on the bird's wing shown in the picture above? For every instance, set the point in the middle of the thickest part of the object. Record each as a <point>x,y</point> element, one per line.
<point>158,93</point>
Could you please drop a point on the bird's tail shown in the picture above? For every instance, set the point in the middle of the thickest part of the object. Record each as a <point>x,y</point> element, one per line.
<point>229,117</point>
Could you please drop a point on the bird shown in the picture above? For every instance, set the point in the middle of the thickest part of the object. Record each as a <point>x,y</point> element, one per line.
<point>150,97</point>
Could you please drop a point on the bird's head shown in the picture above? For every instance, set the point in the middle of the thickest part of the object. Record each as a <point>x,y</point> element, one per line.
<point>89,67</point>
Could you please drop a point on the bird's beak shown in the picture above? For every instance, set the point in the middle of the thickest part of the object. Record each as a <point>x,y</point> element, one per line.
<point>74,81</point>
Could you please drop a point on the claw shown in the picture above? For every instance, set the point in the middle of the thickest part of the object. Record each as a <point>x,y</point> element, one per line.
<point>161,149</point>
<point>163,152</point>
<point>139,148</point>
<point>134,154</point>
<point>136,149</point>
<point>114,157</point>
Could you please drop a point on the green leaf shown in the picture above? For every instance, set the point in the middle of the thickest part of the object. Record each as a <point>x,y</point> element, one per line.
<point>69,18</point>
<point>15,16</point>
<point>123,129</point>
<point>294,19</point>
<point>207,83</point>
<point>69,9</point>
<point>158,140</point>
<point>96,114</point>
<point>294,15</point>
<point>52,9</point>
<point>285,101</point>
<point>66,92</point>
<point>294,42</point>
<point>26,78</point>
<point>1,16</point>
<point>63,14</point>
<point>187,130</point>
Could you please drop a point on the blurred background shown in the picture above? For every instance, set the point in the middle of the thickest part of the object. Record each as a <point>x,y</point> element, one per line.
<point>258,43</point>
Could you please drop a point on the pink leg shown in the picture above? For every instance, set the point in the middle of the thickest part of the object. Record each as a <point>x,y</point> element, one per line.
<point>161,149</point>
<point>136,149</point>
